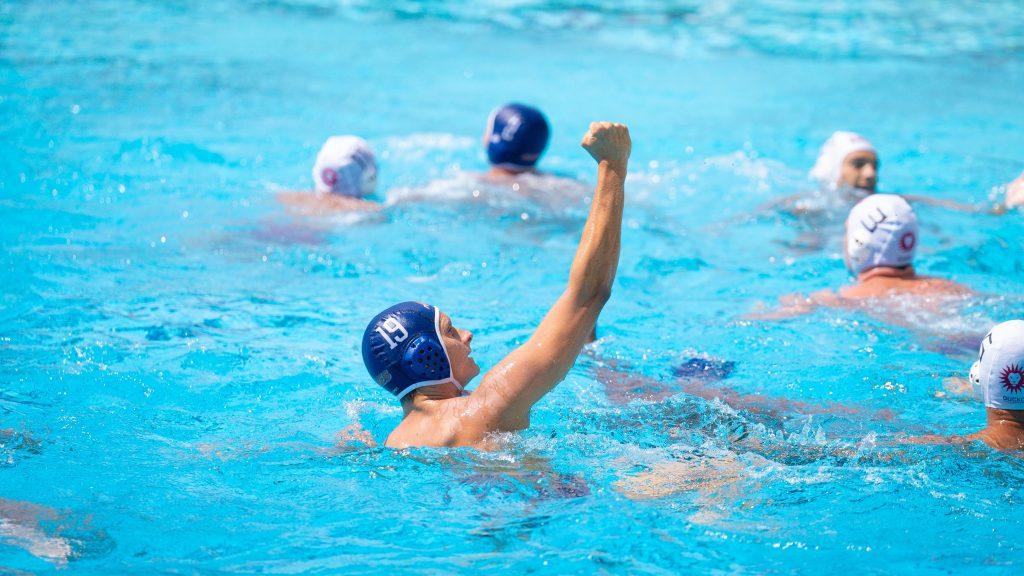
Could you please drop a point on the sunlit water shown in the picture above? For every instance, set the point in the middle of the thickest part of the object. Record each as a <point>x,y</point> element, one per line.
<point>177,352</point>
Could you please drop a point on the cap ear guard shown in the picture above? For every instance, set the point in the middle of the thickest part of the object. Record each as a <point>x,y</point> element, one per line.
<point>975,378</point>
<point>424,360</point>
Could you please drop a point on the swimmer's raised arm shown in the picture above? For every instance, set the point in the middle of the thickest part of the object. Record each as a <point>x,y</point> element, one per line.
<point>510,389</point>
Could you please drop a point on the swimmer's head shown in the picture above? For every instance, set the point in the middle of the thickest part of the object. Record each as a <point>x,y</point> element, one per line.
<point>345,165</point>
<point>516,137</point>
<point>998,375</point>
<point>412,345</point>
<point>847,160</point>
<point>881,230</point>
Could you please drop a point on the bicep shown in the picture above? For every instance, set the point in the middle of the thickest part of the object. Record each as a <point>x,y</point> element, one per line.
<point>534,368</point>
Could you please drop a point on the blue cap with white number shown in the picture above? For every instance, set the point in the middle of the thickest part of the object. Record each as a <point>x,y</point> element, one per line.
<point>403,349</point>
<point>516,136</point>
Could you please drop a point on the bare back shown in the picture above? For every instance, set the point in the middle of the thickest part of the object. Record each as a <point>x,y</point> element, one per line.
<point>924,286</point>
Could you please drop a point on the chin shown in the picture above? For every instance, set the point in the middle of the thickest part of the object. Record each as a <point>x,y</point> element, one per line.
<point>474,373</point>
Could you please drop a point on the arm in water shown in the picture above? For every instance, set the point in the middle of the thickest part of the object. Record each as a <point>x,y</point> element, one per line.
<point>701,378</point>
<point>523,377</point>
<point>795,305</point>
<point>1014,199</point>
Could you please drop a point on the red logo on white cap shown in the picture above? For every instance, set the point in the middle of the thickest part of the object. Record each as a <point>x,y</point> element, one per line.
<point>908,241</point>
<point>329,176</point>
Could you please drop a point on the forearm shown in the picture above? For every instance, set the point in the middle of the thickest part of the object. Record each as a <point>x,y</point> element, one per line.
<point>994,208</point>
<point>597,257</point>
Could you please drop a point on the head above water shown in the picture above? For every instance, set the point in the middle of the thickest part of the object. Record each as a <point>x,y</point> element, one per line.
<point>998,375</point>
<point>516,137</point>
<point>412,345</point>
<point>847,160</point>
<point>345,165</point>
<point>881,231</point>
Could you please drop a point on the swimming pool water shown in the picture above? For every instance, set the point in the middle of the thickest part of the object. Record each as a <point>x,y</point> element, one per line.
<point>177,352</point>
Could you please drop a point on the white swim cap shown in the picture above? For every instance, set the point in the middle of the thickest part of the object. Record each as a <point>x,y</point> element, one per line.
<point>345,165</point>
<point>834,151</point>
<point>998,375</point>
<point>881,230</point>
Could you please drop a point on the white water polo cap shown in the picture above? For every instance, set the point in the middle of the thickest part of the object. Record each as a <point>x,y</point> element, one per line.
<point>998,375</point>
<point>345,165</point>
<point>829,167</point>
<point>881,230</point>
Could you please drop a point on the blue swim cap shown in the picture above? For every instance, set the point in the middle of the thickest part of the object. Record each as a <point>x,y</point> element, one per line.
<point>516,136</point>
<point>403,349</point>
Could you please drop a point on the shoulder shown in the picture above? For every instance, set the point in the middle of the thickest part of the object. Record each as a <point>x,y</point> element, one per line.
<point>487,410</point>
<point>314,203</point>
<point>943,285</point>
<point>828,297</point>
<point>449,423</point>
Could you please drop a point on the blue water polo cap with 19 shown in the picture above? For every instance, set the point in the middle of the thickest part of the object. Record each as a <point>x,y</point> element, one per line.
<point>403,349</point>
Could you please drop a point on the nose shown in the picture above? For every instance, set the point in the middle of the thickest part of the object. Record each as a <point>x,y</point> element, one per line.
<point>467,337</point>
<point>870,172</point>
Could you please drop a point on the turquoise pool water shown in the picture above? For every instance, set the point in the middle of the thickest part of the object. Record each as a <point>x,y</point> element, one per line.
<point>177,352</point>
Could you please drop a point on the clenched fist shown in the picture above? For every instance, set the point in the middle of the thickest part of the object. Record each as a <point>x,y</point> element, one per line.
<point>608,142</point>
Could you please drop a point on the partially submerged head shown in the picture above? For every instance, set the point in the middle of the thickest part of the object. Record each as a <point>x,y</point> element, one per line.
<point>414,347</point>
<point>847,160</point>
<point>998,375</point>
<point>516,137</point>
<point>881,231</point>
<point>345,165</point>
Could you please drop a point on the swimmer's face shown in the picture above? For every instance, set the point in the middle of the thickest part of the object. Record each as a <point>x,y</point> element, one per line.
<point>860,170</point>
<point>457,344</point>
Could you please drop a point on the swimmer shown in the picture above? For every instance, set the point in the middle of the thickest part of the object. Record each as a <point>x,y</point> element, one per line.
<point>415,351</point>
<point>881,239</point>
<point>847,167</point>
<point>515,139</point>
<point>998,380</point>
<point>344,176</point>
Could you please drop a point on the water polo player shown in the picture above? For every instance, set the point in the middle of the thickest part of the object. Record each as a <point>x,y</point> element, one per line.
<point>344,177</point>
<point>879,248</point>
<point>848,165</point>
<point>846,170</point>
<point>415,352</point>
<point>515,138</point>
<point>998,381</point>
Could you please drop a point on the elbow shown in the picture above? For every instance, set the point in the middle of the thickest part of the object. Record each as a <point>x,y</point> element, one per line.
<point>601,296</point>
